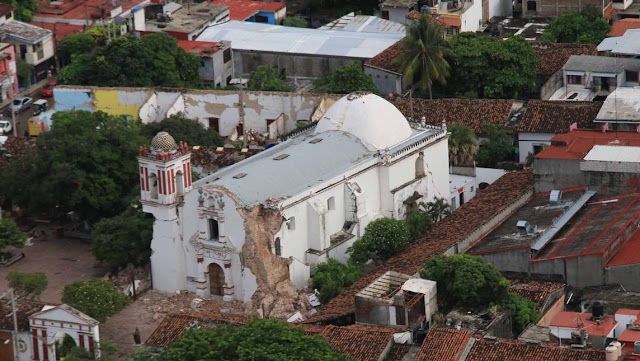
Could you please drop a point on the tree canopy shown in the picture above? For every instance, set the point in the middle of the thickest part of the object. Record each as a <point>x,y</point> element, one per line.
<point>10,234</point>
<point>419,221</point>
<point>96,298</point>
<point>332,277</point>
<point>86,164</point>
<point>346,79</point>
<point>75,44</point>
<point>588,27</point>
<point>123,239</point>
<point>267,78</point>
<point>424,57</point>
<point>265,340</point>
<point>497,148</point>
<point>25,9</point>
<point>382,239</point>
<point>462,145</point>
<point>184,129</point>
<point>151,60</point>
<point>295,21</point>
<point>28,284</point>
<point>487,67</point>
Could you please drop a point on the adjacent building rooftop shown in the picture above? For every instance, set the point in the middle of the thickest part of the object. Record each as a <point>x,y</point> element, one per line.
<point>242,10</point>
<point>554,116</point>
<point>621,26</point>
<point>628,44</point>
<point>23,32</point>
<point>553,56</point>
<point>601,64</point>
<point>189,19</point>
<point>249,36</point>
<point>576,144</point>
<point>365,24</point>
<point>622,105</point>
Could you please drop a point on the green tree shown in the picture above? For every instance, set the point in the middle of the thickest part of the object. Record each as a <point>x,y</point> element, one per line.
<point>332,277</point>
<point>108,352</point>
<point>75,44</point>
<point>96,298</point>
<point>424,56</point>
<point>466,280</point>
<point>463,146</point>
<point>419,221</point>
<point>123,239</point>
<point>382,239</point>
<point>588,27</point>
<point>295,21</point>
<point>86,164</point>
<point>523,311</point>
<point>28,284</point>
<point>491,68</point>
<point>10,234</point>
<point>184,129</point>
<point>25,9</point>
<point>151,60</point>
<point>438,209</point>
<point>267,78</point>
<point>24,71</point>
<point>497,148</point>
<point>265,340</point>
<point>344,80</point>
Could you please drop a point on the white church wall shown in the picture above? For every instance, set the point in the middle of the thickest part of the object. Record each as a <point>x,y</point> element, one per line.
<point>167,257</point>
<point>176,107</point>
<point>25,346</point>
<point>437,168</point>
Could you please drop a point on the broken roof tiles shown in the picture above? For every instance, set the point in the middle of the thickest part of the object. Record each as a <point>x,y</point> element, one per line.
<point>553,56</point>
<point>385,60</point>
<point>360,343</point>
<point>444,235</point>
<point>471,113</point>
<point>537,292</point>
<point>546,116</point>
<point>26,308</point>
<point>443,344</point>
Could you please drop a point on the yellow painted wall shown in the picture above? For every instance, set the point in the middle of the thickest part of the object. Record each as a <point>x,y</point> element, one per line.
<point>108,101</point>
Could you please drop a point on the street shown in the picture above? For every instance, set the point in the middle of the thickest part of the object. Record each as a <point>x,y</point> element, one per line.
<point>22,119</point>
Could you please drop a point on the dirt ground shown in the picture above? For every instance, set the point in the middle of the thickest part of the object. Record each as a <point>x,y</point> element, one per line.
<point>63,260</point>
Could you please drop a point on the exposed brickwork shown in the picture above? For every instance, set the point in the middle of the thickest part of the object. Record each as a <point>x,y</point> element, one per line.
<point>547,116</point>
<point>472,113</point>
<point>440,238</point>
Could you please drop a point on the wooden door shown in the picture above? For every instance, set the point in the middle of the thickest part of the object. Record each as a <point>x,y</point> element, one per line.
<point>216,280</point>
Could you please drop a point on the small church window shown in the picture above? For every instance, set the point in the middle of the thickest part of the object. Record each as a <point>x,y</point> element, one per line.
<point>278,247</point>
<point>180,182</point>
<point>214,230</point>
<point>331,203</point>
<point>154,186</point>
<point>291,223</point>
<point>420,166</point>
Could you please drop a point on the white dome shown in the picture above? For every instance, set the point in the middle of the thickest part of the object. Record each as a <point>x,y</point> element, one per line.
<point>375,121</point>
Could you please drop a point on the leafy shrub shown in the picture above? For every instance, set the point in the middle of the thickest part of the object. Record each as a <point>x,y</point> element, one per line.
<point>11,235</point>
<point>419,222</point>
<point>97,298</point>
<point>382,239</point>
<point>523,311</point>
<point>332,277</point>
<point>28,283</point>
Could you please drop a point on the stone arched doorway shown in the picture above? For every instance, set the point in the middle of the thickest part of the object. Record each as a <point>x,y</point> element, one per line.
<point>216,280</point>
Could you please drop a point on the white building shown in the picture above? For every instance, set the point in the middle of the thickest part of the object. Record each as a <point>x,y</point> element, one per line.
<point>258,228</point>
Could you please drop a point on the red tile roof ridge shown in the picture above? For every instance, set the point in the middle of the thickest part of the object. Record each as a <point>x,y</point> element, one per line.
<point>621,26</point>
<point>466,220</point>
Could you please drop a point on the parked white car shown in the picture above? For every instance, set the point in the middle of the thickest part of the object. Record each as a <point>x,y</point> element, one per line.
<point>22,103</point>
<point>5,127</point>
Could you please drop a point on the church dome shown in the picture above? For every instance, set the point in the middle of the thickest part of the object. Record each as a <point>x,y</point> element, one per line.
<point>163,141</point>
<point>375,121</point>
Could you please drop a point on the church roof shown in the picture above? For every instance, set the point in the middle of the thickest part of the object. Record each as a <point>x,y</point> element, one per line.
<point>163,141</point>
<point>290,168</point>
<point>375,121</point>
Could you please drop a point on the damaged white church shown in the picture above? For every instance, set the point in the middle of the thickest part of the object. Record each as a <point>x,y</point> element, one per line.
<point>255,231</point>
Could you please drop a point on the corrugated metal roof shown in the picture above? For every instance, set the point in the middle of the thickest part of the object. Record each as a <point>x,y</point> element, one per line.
<point>602,64</point>
<point>364,24</point>
<point>608,43</point>
<point>282,39</point>
<point>614,153</point>
<point>629,43</point>
<point>622,105</point>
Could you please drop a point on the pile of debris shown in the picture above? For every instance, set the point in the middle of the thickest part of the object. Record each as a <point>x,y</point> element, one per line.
<point>126,278</point>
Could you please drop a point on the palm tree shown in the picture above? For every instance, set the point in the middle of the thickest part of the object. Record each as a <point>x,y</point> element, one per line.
<point>438,209</point>
<point>462,145</point>
<point>423,59</point>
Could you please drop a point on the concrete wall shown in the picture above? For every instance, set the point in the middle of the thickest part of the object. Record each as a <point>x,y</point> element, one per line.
<point>500,8</point>
<point>488,175</point>
<point>552,84</point>
<point>386,82</point>
<point>552,8</point>
<point>526,142</point>
<point>398,14</point>
<point>610,183</point>
<point>516,260</point>
<point>116,102</point>
<point>470,20</point>
<point>294,67</point>
<point>626,275</point>
<point>585,271</point>
<point>551,174</point>
<point>552,312</point>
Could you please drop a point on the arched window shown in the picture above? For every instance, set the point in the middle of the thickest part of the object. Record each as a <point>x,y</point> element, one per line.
<point>180,182</point>
<point>278,247</point>
<point>420,166</point>
<point>154,185</point>
<point>331,203</point>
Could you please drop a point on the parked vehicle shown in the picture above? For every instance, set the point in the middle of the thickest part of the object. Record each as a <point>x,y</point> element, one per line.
<point>47,91</point>
<point>5,126</point>
<point>40,106</point>
<point>22,103</point>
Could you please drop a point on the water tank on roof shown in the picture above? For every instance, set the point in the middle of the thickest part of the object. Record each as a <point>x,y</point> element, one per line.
<point>636,348</point>
<point>597,310</point>
<point>611,353</point>
<point>555,196</point>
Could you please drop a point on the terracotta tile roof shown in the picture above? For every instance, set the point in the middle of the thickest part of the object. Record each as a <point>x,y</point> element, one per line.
<point>312,329</point>
<point>553,56</point>
<point>443,344</point>
<point>385,59</point>
<point>629,336</point>
<point>547,116</point>
<point>244,9</point>
<point>535,291</point>
<point>199,48</point>
<point>25,310</point>
<point>621,26</point>
<point>60,30</point>
<point>397,352</point>
<point>362,344</point>
<point>465,220</point>
<point>172,327</point>
<point>6,9</point>
<point>471,113</point>
<point>503,350</point>
<point>576,144</point>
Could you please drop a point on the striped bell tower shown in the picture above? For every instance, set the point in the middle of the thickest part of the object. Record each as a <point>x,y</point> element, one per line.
<point>165,171</point>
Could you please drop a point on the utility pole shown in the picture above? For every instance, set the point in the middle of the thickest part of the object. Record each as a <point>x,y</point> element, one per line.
<point>244,128</point>
<point>14,309</point>
<point>13,112</point>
